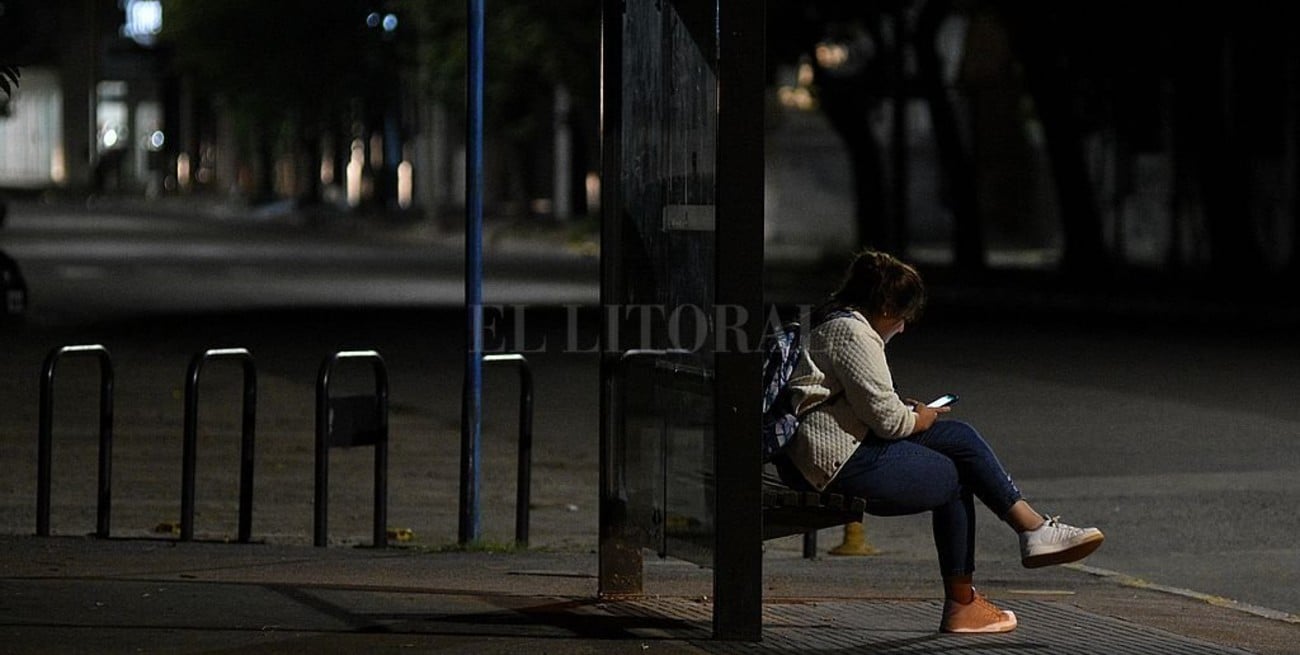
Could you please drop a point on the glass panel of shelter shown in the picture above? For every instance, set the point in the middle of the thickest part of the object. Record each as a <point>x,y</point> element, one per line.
<point>669,134</point>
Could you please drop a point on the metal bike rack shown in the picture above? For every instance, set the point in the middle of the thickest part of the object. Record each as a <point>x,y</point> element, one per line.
<point>246,451</point>
<point>349,421</point>
<point>46,431</point>
<point>524,478</point>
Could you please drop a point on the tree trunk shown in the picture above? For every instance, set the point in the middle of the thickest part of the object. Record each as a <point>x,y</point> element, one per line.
<point>1202,83</point>
<point>309,190</point>
<point>954,160</point>
<point>847,106</point>
<point>1037,41</point>
<point>265,190</point>
<point>1292,99</point>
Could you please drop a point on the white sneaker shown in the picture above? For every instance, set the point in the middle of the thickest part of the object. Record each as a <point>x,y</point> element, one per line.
<point>1057,543</point>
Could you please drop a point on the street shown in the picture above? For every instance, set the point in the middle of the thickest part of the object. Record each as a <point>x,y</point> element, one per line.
<point>1177,440</point>
<point>1178,443</point>
<point>84,266</point>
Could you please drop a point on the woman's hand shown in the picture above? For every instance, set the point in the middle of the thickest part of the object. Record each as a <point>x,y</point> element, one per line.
<point>926,416</point>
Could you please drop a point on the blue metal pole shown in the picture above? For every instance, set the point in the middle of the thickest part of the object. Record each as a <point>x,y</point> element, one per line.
<point>471,420</point>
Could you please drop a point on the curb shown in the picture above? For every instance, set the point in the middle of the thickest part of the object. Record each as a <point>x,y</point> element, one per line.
<point>1126,580</point>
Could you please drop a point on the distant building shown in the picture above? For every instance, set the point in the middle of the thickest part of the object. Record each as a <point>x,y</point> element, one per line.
<point>95,103</point>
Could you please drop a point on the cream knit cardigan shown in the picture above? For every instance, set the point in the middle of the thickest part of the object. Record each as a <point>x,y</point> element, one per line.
<point>844,377</point>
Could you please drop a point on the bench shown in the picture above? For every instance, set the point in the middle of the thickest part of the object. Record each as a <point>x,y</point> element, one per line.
<point>661,489</point>
<point>788,512</point>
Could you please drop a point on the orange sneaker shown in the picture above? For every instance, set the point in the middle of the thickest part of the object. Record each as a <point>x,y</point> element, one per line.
<point>979,615</point>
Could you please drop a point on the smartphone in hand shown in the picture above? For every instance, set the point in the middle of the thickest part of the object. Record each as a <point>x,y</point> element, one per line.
<point>943,401</point>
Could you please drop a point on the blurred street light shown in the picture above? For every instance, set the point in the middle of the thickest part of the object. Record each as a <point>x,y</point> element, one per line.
<point>144,20</point>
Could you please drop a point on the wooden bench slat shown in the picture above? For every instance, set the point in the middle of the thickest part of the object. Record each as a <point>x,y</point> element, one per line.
<point>788,512</point>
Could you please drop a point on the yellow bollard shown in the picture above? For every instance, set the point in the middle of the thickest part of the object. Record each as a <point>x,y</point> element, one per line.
<point>400,535</point>
<point>855,541</point>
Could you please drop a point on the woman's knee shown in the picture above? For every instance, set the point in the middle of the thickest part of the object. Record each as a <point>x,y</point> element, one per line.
<point>959,430</point>
<point>956,439</point>
<point>912,490</point>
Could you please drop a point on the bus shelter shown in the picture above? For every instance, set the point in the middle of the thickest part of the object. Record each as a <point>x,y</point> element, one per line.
<point>682,299</point>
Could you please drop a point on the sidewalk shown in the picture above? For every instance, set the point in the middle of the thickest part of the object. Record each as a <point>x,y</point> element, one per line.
<point>75,595</point>
<point>138,594</point>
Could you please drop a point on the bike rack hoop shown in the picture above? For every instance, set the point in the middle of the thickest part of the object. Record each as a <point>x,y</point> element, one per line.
<point>45,436</point>
<point>191,438</point>
<point>351,421</point>
<point>523,485</point>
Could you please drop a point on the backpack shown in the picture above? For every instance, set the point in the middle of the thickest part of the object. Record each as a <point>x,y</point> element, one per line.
<point>781,351</point>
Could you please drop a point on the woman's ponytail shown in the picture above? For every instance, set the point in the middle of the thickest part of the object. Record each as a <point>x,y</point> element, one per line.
<point>878,283</point>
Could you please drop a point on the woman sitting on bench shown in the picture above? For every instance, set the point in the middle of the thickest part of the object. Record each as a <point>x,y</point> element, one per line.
<point>859,438</point>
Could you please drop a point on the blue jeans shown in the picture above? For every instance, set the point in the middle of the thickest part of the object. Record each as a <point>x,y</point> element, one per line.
<point>940,471</point>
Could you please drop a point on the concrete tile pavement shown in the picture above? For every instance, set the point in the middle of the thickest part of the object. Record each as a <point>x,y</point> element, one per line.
<point>81,595</point>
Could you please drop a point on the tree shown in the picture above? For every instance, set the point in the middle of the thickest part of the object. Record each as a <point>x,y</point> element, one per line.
<point>287,71</point>
<point>954,157</point>
<point>1218,113</point>
<point>532,49</point>
<point>873,39</point>
<point>1053,45</point>
<point>851,82</point>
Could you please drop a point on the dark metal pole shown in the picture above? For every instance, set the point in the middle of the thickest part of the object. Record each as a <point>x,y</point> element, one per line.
<point>45,446</point>
<point>471,421</point>
<point>738,465</point>
<point>525,477</point>
<point>320,505</point>
<point>105,497</point>
<point>381,451</point>
<point>247,452</point>
<point>190,446</point>
<point>620,567</point>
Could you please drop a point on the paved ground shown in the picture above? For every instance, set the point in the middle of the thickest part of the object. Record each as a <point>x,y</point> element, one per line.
<point>71,595</point>
<point>1170,438</point>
